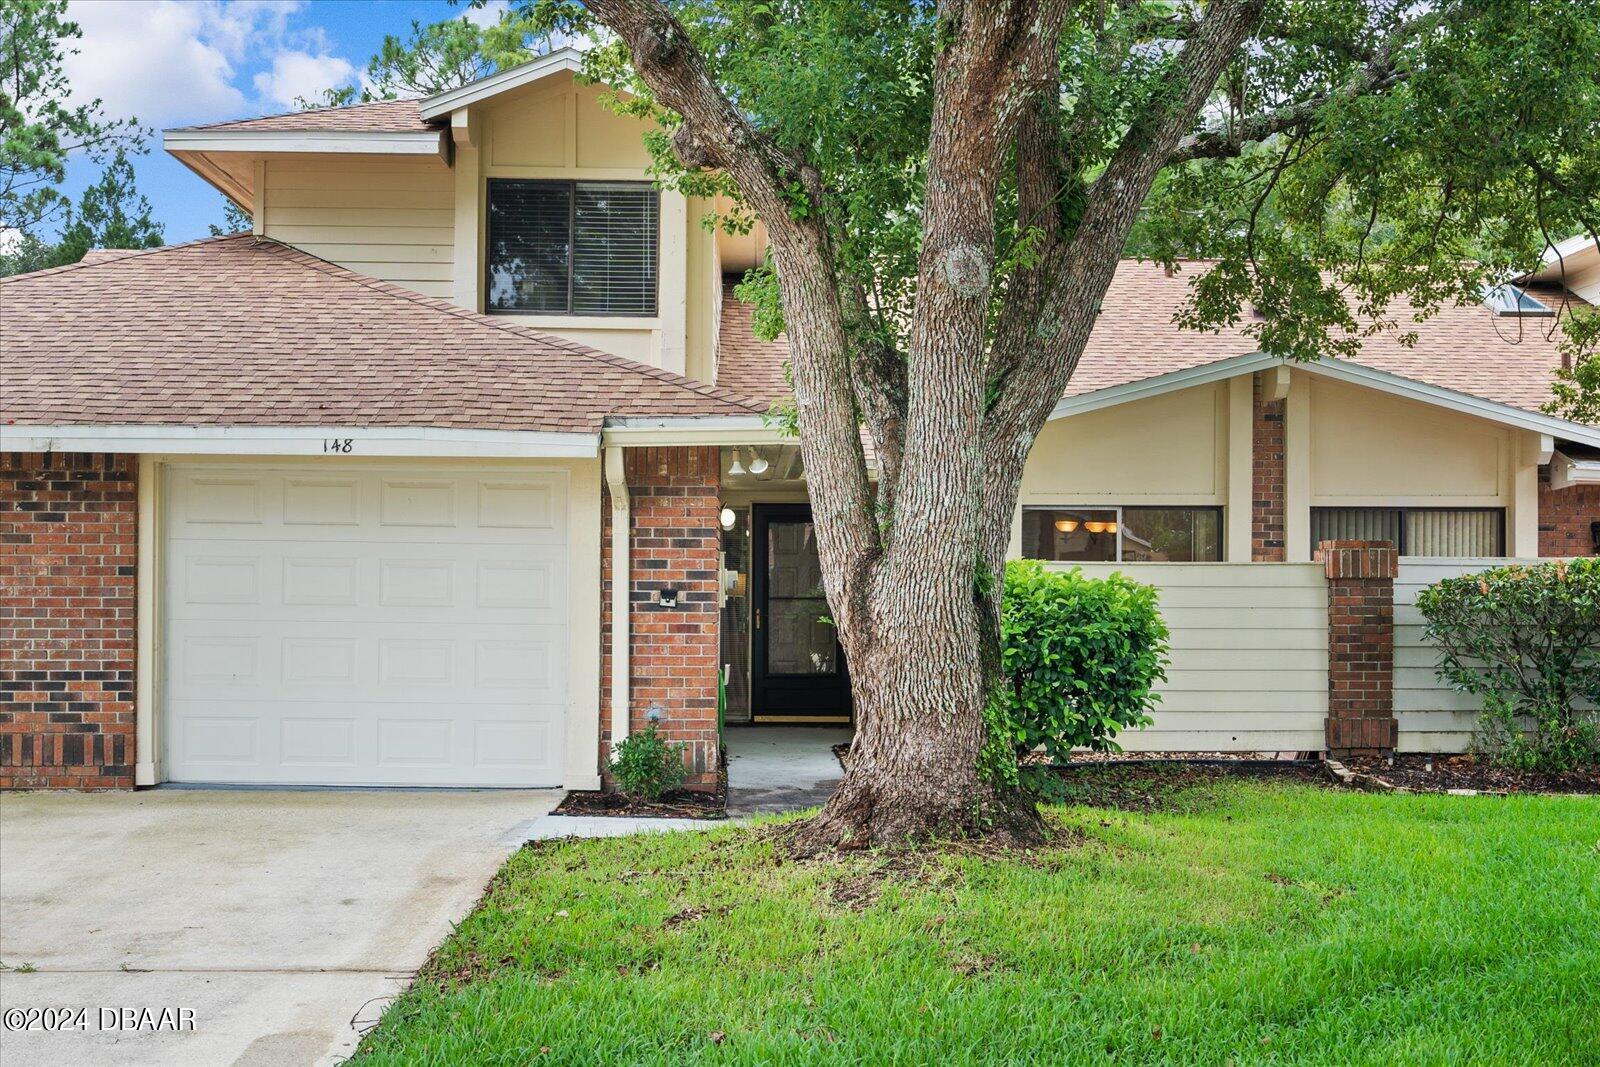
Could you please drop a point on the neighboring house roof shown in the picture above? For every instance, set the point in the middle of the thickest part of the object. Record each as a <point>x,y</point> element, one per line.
<point>382,116</point>
<point>1507,359</point>
<point>243,331</point>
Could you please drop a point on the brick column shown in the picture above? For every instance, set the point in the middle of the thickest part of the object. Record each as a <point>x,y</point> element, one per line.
<point>1268,476</point>
<point>69,552</point>
<point>1567,518</point>
<point>1360,576</point>
<point>675,649</point>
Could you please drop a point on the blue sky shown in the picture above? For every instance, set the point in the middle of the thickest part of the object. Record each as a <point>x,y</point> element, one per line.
<point>179,62</point>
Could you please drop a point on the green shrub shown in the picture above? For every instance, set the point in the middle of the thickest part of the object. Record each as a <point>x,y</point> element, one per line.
<point>1081,655</point>
<point>1527,640</point>
<point>645,765</point>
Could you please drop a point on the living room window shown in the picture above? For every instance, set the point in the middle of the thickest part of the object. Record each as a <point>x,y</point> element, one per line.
<point>572,248</point>
<point>1123,534</point>
<point>1416,531</point>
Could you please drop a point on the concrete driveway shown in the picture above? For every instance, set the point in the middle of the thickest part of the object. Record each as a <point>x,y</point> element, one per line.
<point>281,920</point>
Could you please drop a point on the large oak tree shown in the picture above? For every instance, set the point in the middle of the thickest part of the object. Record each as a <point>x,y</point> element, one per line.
<point>948,188</point>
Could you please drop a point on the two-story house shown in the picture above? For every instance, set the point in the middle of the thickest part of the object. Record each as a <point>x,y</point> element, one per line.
<point>454,469</point>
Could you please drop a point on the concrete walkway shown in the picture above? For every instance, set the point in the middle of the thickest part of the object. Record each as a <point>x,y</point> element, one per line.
<point>277,918</point>
<point>781,768</point>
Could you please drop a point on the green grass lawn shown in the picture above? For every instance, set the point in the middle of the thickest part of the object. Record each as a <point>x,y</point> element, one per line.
<point>1243,921</point>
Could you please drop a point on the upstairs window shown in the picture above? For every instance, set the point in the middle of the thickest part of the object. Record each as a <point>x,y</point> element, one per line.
<point>572,248</point>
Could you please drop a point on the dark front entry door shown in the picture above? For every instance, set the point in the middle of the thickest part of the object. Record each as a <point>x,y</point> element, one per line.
<point>797,669</point>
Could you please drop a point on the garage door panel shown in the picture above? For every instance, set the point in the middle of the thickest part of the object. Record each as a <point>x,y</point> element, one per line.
<point>337,625</point>
<point>356,506</point>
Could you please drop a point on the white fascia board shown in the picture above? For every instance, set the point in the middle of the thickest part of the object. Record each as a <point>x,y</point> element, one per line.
<point>1466,403</point>
<point>1111,396</point>
<point>1566,471</point>
<point>643,431</point>
<point>399,143</point>
<point>562,59</point>
<point>420,442</point>
<point>1339,370</point>
<point>1569,255</point>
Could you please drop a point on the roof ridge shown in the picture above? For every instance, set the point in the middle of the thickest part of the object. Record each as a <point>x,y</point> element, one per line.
<point>298,111</point>
<point>132,253</point>
<point>489,322</point>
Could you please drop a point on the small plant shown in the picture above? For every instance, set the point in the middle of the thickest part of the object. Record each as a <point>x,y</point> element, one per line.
<point>647,766</point>
<point>1081,657</point>
<point>1527,640</point>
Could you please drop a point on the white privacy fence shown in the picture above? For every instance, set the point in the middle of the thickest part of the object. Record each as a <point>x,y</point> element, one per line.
<point>1249,669</point>
<point>1249,666</point>
<point>1433,717</point>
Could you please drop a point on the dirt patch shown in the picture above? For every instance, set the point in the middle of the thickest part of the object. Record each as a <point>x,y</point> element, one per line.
<point>1463,771</point>
<point>683,804</point>
<point>1165,785</point>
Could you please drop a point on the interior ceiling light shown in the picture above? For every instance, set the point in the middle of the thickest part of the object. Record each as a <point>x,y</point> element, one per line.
<point>1066,525</point>
<point>1096,527</point>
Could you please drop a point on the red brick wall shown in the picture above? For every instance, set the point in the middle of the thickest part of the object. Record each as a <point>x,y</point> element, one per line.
<point>1565,516</point>
<point>1360,646</point>
<point>674,652</point>
<point>1268,482</point>
<point>69,532</point>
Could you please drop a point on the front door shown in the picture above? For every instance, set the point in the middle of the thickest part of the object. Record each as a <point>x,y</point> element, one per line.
<point>797,667</point>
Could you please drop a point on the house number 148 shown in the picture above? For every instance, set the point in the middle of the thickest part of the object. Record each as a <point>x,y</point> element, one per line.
<point>338,444</point>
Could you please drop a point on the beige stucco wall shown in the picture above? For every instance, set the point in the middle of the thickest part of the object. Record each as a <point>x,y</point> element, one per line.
<point>1369,448</point>
<point>1169,449</point>
<point>389,217</point>
<point>559,129</point>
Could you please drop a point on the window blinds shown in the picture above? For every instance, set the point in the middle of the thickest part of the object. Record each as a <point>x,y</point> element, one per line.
<point>580,248</point>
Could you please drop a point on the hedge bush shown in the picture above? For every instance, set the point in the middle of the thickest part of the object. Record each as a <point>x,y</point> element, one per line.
<point>646,766</point>
<point>1527,640</point>
<point>1082,656</point>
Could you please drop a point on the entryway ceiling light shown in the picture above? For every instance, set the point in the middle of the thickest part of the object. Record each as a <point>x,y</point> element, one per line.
<point>758,462</point>
<point>737,469</point>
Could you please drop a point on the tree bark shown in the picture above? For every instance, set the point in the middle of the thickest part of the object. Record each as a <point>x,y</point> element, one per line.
<point>915,587</point>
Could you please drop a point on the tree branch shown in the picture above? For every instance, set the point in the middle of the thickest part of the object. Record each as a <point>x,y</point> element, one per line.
<point>1378,74</point>
<point>715,134</point>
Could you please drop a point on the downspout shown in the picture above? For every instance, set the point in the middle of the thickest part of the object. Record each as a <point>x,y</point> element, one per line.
<point>621,585</point>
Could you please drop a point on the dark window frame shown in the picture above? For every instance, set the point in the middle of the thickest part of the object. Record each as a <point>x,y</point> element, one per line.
<point>1400,526</point>
<point>571,185</point>
<point>1122,509</point>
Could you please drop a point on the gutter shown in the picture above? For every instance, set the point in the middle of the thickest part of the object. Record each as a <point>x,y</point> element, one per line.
<point>417,441</point>
<point>621,587</point>
<point>1566,471</point>
<point>637,431</point>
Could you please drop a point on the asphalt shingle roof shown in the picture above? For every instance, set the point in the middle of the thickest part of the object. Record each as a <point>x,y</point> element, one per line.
<point>1508,359</point>
<point>381,116</point>
<point>246,331</point>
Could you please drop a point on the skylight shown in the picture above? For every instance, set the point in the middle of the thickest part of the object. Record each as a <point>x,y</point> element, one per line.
<point>1509,299</point>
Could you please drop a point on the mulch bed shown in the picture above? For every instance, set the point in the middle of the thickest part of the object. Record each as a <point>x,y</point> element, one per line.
<point>1441,773</point>
<point>683,804</point>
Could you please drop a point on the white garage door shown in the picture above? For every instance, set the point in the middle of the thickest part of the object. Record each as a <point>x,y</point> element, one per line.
<point>343,625</point>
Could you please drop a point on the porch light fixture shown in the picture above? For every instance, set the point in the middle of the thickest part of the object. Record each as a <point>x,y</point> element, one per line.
<point>1066,525</point>
<point>737,469</point>
<point>758,462</point>
<point>727,518</point>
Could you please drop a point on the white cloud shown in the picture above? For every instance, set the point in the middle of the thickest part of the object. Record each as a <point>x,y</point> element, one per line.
<point>487,15</point>
<point>157,61</point>
<point>172,62</point>
<point>296,75</point>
